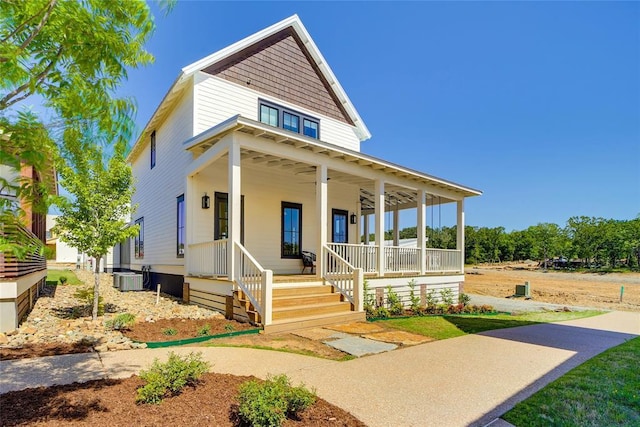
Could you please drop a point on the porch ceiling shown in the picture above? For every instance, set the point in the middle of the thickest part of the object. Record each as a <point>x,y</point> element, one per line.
<point>396,195</point>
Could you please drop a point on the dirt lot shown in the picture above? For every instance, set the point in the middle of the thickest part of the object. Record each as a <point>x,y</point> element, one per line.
<point>569,288</point>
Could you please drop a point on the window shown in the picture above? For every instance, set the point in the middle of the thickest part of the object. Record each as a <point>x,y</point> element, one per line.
<point>221,213</point>
<point>310,128</point>
<point>290,122</point>
<point>153,149</point>
<point>268,115</point>
<point>181,228</point>
<point>278,116</point>
<point>291,230</point>
<point>340,227</point>
<point>139,239</point>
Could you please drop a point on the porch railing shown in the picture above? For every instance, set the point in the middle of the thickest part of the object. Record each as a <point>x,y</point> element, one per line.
<point>347,279</point>
<point>255,282</point>
<point>208,258</point>
<point>443,260</point>
<point>360,256</point>
<point>401,259</point>
<point>30,262</point>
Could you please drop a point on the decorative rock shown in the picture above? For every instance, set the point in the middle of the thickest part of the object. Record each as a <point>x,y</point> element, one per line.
<point>3,339</point>
<point>29,330</point>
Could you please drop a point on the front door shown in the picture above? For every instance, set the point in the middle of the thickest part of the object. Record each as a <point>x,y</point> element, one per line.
<point>221,212</point>
<point>340,226</point>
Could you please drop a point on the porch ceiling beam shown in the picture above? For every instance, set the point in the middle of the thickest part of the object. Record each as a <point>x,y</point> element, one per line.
<point>211,155</point>
<point>333,163</point>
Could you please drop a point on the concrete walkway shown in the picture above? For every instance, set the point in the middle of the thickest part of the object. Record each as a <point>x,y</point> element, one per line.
<point>469,380</point>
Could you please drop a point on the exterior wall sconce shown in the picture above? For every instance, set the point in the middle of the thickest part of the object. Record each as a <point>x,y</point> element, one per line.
<point>206,201</point>
<point>353,219</point>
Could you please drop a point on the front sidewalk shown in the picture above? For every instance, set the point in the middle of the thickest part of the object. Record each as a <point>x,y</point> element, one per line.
<point>469,380</point>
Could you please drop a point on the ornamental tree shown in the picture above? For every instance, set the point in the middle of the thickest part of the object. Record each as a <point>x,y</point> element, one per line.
<point>96,218</point>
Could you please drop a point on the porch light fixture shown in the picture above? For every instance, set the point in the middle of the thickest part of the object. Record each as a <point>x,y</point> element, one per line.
<point>353,218</point>
<point>206,201</point>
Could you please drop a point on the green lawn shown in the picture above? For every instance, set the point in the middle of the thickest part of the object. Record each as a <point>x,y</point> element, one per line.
<point>604,391</point>
<point>443,327</point>
<point>53,277</point>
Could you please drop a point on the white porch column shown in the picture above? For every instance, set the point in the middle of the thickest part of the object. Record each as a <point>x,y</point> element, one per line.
<point>189,203</point>
<point>396,225</point>
<point>379,210</point>
<point>234,206</point>
<point>366,229</point>
<point>321,207</point>
<point>460,232</point>
<point>421,225</point>
<point>358,223</point>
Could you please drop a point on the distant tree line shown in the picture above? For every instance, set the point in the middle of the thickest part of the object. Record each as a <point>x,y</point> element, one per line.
<point>594,242</point>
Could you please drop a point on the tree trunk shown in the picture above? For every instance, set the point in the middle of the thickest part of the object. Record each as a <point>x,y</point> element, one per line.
<point>96,289</point>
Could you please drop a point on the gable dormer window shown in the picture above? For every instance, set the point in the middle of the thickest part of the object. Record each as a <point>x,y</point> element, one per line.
<point>153,149</point>
<point>287,119</point>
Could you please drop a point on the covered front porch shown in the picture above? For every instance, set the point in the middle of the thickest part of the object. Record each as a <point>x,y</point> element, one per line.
<point>257,196</point>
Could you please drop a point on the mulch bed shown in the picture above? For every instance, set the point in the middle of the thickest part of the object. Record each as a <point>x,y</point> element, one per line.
<point>112,402</point>
<point>186,328</point>
<point>41,350</point>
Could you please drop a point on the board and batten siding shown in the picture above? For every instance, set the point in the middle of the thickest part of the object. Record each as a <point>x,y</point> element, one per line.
<point>264,190</point>
<point>216,100</point>
<point>157,189</point>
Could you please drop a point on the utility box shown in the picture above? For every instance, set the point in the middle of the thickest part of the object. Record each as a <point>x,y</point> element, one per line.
<point>523,290</point>
<point>131,282</point>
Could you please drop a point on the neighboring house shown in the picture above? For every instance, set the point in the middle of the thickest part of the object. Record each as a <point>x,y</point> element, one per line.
<point>22,279</point>
<point>252,157</point>
<point>65,254</point>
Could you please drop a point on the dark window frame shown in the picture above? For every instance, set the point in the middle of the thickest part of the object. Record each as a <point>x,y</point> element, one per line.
<point>153,149</point>
<point>282,110</point>
<point>138,242</point>
<point>180,215</point>
<point>290,205</point>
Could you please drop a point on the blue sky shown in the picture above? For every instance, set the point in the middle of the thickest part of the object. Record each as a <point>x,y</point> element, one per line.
<point>537,104</point>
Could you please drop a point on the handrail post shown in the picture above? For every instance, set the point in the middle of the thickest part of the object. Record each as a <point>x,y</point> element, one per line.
<point>267,293</point>
<point>358,289</point>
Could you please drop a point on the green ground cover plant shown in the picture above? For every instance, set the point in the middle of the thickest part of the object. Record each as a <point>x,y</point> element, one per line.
<point>54,276</point>
<point>603,391</point>
<point>169,378</point>
<point>271,402</point>
<point>121,321</point>
<point>450,326</point>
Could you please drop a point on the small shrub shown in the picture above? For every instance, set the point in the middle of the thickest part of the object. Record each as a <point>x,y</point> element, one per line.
<point>455,309</point>
<point>369,300</point>
<point>121,321</point>
<point>430,298</point>
<point>271,402</point>
<point>394,302</point>
<point>169,378</point>
<point>381,312</point>
<point>169,331</point>
<point>446,296</point>
<point>464,299</point>
<point>486,309</point>
<point>85,295</point>
<point>205,330</point>
<point>229,327</point>
<point>416,307</point>
<point>63,280</point>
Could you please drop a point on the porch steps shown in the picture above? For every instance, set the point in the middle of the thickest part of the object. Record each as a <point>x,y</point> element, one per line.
<point>307,322</point>
<point>298,306</point>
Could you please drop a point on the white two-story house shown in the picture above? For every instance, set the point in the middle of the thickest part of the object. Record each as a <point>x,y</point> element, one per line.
<point>251,160</point>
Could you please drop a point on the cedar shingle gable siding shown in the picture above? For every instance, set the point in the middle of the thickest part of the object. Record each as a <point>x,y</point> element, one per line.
<point>281,66</point>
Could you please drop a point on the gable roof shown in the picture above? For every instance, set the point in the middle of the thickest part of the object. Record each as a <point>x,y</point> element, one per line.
<point>295,24</point>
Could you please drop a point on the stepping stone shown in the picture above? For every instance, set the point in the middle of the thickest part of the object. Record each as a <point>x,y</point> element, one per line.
<point>399,337</point>
<point>359,347</point>
<point>356,328</point>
